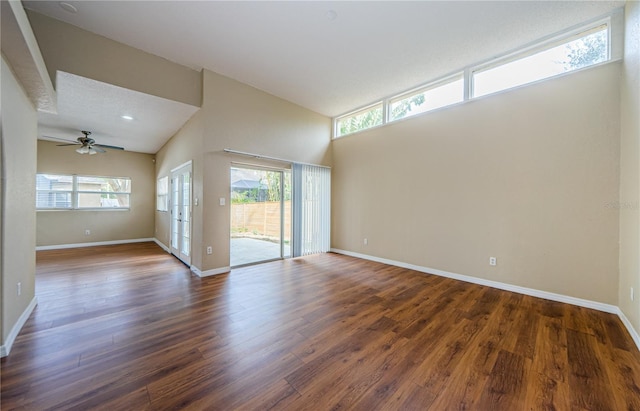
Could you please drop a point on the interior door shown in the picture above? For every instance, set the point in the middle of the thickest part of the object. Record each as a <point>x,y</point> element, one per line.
<point>181,213</point>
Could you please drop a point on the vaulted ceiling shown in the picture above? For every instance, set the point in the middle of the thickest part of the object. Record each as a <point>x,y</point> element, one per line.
<point>330,57</point>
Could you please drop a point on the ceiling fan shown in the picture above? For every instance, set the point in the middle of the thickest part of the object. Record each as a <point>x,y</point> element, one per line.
<point>88,145</point>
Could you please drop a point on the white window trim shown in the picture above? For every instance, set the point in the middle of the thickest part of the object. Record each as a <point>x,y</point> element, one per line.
<point>358,111</point>
<point>540,46</point>
<point>615,29</point>
<point>164,195</point>
<point>441,81</point>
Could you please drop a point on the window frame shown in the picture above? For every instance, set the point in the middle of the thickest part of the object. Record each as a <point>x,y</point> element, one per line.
<point>354,113</point>
<point>162,197</point>
<point>441,82</point>
<point>76,192</point>
<point>538,47</point>
<point>614,27</point>
<point>54,192</point>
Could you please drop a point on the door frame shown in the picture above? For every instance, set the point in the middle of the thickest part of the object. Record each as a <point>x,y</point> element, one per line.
<point>282,171</point>
<point>178,252</point>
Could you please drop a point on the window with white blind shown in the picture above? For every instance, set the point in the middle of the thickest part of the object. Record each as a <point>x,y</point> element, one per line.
<point>72,192</point>
<point>54,191</point>
<point>311,209</point>
<point>162,194</point>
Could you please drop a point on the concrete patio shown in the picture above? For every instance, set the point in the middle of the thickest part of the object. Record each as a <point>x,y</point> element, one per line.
<point>251,250</point>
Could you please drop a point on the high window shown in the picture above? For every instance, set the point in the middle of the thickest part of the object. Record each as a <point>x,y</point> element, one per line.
<point>54,191</point>
<point>427,98</point>
<point>360,120</point>
<point>582,50</point>
<point>563,53</point>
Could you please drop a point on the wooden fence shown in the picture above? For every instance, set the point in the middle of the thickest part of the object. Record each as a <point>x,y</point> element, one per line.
<point>260,219</point>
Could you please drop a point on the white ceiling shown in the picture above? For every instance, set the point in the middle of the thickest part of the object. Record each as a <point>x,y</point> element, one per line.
<point>296,51</point>
<point>85,104</point>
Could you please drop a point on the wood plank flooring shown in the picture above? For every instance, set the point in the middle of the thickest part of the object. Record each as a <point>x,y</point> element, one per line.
<point>129,328</point>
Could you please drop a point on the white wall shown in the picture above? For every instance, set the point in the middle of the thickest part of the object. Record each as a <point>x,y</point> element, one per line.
<point>629,168</point>
<point>529,176</point>
<point>62,227</point>
<point>74,50</point>
<point>19,131</point>
<point>240,117</point>
<point>185,146</point>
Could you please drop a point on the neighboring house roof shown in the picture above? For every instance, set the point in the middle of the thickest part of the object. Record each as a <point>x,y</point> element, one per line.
<point>248,185</point>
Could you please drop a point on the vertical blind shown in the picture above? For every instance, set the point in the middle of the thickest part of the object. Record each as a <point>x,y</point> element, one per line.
<point>312,209</point>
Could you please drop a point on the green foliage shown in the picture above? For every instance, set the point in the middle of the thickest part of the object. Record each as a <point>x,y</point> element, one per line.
<point>589,50</point>
<point>404,106</point>
<point>373,117</point>
<point>238,197</point>
<point>269,182</point>
<point>272,181</point>
<point>362,121</point>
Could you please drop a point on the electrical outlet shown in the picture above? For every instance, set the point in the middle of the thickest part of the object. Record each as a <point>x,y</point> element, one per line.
<point>87,232</point>
<point>493,261</point>
<point>366,241</point>
<point>209,250</point>
<point>19,288</point>
<point>631,295</point>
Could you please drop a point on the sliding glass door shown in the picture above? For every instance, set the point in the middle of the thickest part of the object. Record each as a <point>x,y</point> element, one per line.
<point>260,215</point>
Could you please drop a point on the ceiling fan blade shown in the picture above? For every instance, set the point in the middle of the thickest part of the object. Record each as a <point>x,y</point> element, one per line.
<point>62,139</point>
<point>98,149</point>
<point>68,144</point>
<point>106,146</point>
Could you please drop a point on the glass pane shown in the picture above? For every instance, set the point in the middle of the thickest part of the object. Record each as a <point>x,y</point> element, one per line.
<point>429,99</point>
<point>287,214</point>
<point>103,200</point>
<point>55,182</point>
<point>53,199</point>
<point>163,185</point>
<point>585,51</point>
<point>162,190</point>
<point>104,184</point>
<point>175,212</point>
<point>174,233</point>
<point>362,120</point>
<point>255,215</point>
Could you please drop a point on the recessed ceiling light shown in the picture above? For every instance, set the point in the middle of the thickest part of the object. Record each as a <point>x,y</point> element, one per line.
<point>68,7</point>
<point>332,15</point>
<point>127,117</point>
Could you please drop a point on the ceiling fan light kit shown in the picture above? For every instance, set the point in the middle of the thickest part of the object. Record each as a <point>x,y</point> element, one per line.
<point>86,150</point>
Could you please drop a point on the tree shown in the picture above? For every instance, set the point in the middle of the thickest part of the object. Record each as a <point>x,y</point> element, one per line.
<point>373,117</point>
<point>405,106</point>
<point>272,181</point>
<point>368,119</point>
<point>591,49</point>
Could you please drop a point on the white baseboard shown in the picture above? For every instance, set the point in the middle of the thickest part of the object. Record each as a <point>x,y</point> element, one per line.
<point>208,273</point>
<point>608,308</point>
<point>5,348</point>
<point>161,244</point>
<point>193,268</point>
<point>79,245</point>
<point>632,331</point>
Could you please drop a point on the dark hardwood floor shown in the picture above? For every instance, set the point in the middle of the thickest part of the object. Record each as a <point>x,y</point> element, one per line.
<point>129,328</point>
